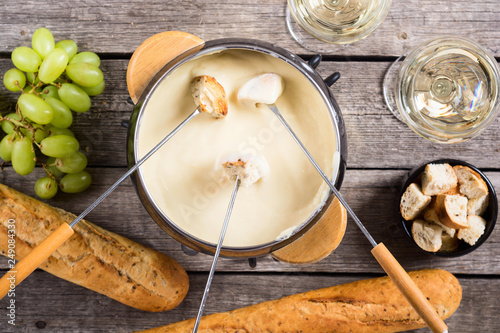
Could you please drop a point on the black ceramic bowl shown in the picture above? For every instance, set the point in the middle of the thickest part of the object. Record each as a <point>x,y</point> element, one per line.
<point>490,215</point>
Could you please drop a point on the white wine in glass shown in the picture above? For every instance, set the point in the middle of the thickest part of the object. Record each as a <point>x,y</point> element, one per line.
<point>313,22</point>
<point>446,90</point>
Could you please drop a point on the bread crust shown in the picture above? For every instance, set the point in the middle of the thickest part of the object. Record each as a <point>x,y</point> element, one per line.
<point>446,216</point>
<point>209,96</point>
<point>94,258</point>
<point>427,235</point>
<point>480,185</point>
<point>373,305</point>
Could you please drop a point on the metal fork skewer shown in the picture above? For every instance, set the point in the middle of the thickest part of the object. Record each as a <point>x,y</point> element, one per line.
<point>132,169</point>
<point>216,255</point>
<point>325,177</point>
<point>390,265</point>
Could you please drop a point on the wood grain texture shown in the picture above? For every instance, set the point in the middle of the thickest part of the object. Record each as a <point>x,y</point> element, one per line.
<point>381,151</point>
<point>319,241</point>
<point>120,27</point>
<point>67,308</point>
<point>153,54</point>
<point>358,93</point>
<point>372,194</point>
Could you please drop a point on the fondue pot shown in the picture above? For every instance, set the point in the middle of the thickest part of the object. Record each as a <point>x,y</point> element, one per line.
<point>184,48</point>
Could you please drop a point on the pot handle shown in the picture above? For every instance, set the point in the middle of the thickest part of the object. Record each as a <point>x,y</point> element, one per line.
<point>153,54</point>
<point>329,81</point>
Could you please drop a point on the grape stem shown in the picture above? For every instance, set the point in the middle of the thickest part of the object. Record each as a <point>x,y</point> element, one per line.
<point>49,174</point>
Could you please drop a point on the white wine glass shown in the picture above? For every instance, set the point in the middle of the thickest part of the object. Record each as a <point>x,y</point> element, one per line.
<point>446,89</point>
<point>316,24</point>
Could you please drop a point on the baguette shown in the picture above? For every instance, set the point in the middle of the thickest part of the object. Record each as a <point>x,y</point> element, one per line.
<point>93,257</point>
<point>427,235</point>
<point>452,210</point>
<point>474,231</point>
<point>373,305</point>
<point>471,183</point>
<point>438,179</point>
<point>413,202</point>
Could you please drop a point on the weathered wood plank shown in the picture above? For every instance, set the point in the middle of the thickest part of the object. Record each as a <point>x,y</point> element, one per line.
<point>373,195</point>
<point>68,308</point>
<point>117,27</point>
<point>359,95</point>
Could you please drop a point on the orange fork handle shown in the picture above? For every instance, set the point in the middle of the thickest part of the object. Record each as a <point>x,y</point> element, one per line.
<point>38,255</point>
<point>409,289</point>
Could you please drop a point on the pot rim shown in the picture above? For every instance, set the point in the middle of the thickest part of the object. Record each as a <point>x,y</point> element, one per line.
<point>211,47</point>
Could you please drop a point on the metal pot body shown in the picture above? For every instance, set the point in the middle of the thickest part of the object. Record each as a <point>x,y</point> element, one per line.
<point>307,69</point>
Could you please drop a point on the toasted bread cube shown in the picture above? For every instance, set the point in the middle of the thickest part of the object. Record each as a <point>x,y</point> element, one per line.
<point>452,210</point>
<point>449,243</point>
<point>471,183</point>
<point>478,206</point>
<point>474,231</point>
<point>430,215</point>
<point>427,235</point>
<point>413,202</point>
<point>438,179</point>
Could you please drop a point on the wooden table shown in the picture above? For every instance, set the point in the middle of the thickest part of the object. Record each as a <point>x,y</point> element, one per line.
<point>381,151</point>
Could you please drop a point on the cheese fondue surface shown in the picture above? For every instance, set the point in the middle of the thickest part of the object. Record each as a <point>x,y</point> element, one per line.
<point>185,177</point>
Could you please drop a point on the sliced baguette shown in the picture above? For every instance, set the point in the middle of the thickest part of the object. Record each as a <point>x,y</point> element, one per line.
<point>427,235</point>
<point>430,215</point>
<point>92,257</point>
<point>413,202</point>
<point>449,244</point>
<point>478,206</point>
<point>470,182</point>
<point>366,306</point>
<point>452,210</point>
<point>438,179</point>
<point>474,231</point>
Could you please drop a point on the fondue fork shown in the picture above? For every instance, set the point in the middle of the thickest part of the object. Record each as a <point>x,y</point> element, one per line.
<point>273,83</point>
<point>245,170</point>
<point>209,96</point>
<point>386,260</point>
<point>216,255</point>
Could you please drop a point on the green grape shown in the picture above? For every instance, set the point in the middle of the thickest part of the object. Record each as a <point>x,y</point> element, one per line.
<point>50,168</point>
<point>42,42</point>
<point>35,108</point>
<point>84,74</point>
<point>33,78</point>
<point>53,65</point>
<point>72,163</point>
<point>52,131</point>
<point>75,182</point>
<point>88,57</point>
<point>63,117</point>
<point>29,89</point>
<point>6,146</point>
<point>69,46</point>
<point>23,156</point>
<point>75,98</point>
<point>59,145</point>
<point>26,59</point>
<point>49,91</point>
<point>7,125</point>
<point>46,187</point>
<point>12,76</point>
<point>94,91</point>
<point>40,133</point>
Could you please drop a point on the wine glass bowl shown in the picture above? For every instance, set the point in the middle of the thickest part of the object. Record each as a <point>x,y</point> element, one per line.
<point>446,89</point>
<point>313,22</point>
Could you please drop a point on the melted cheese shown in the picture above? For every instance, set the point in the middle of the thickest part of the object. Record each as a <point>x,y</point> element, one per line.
<point>185,178</point>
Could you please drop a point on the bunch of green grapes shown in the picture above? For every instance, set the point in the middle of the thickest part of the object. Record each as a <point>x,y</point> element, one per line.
<point>54,80</point>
